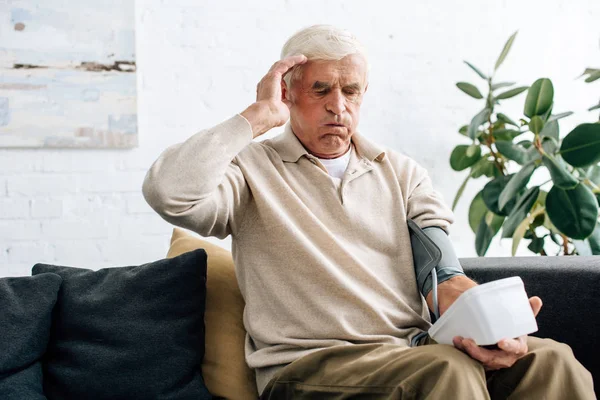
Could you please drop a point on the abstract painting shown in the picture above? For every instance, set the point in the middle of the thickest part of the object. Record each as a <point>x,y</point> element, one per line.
<point>67,74</point>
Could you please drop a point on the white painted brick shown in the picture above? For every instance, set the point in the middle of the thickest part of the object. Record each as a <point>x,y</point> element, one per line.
<point>138,225</point>
<point>17,208</point>
<point>72,229</point>
<point>112,182</point>
<point>3,252</point>
<point>22,161</point>
<point>85,205</point>
<point>136,204</point>
<point>135,250</point>
<point>19,230</point>
<point>85,161</point>
<point>32,252</point>
<point>137,161</point>
<point>42,184</point>
<point>3,184</point>
<point>79,253</point>
<point>15,269</point>
<point>46,208</point>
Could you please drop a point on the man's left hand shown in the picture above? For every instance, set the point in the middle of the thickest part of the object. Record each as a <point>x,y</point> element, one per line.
<point>508,352</point>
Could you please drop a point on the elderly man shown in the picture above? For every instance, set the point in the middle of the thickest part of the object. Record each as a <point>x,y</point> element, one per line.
<point>318,218</point>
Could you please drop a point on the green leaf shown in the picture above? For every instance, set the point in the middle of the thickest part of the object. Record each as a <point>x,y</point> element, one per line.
<point>483,167</point>
<point>477,121</point>
<point>503,134</point>
<point>589,71</point>
<point>504,118</point>
<point>472,150</point>
<point>538,221</point>
<point>523,227</point>
<point>594,174</point>
<point>470,89</point>
<point>536,124</point>
<point>593,76</point>
<point>596,107</point>
<point>500,85</point>
<point>517,183</point>
<point>549,145</point>
<point>590,246</point>
<point>463,130</point>
<point>581,147</point>
<point>481,74</point>
<point>505,50</point>
<point>486,230</point>
<point>477,210</point>
<point>520,211</point>
<point>574,212</point>
<point>559,116</point>
<point>459,160</point>
<point>461,189</point>
<point>561,177</point>
<point>512,93</point>
<point>512,151</point>
<point>550,130</point>
<point>539,98</point>
<point>541,200</point>
<point>537,245</point>
<point>532,154</point>
<point>491,192</point>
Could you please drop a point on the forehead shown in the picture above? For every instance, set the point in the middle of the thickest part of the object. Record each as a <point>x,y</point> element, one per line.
<point>350,69</point>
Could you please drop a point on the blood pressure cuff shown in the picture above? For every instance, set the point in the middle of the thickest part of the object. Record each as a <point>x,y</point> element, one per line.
<point>431,248</point>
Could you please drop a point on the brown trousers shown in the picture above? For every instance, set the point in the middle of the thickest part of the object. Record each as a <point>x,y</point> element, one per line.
<point>430,371</point>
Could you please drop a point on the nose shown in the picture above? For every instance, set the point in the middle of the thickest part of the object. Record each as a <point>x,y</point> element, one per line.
<point>336,103</point>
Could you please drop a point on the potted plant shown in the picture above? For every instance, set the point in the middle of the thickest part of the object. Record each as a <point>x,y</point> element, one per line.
<point>507,151</point>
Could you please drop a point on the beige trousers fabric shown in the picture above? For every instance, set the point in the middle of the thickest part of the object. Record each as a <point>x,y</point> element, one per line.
<point>431,371</point>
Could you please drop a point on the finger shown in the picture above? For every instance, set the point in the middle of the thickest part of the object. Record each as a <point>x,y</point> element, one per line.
<point>536,304</point>
<point>490,359</point>
<point>282,66</point>
<point>457,341</point>
<point>517,346</point>
<point>480,354</point>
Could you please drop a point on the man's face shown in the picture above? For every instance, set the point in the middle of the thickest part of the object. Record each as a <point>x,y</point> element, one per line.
<point>325,104</point>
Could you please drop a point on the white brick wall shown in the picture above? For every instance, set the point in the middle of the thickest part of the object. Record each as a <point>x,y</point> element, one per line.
<point>199,62</point>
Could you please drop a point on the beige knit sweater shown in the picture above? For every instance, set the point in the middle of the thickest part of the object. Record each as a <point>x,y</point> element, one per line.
<point>318,266</point>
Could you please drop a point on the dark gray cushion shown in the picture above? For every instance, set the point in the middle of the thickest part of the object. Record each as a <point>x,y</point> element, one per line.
<point>128,333</point>
<point>25,316</point>
<point>568,287</point>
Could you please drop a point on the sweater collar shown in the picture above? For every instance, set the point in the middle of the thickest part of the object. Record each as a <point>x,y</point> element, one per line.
<point>290,149</point>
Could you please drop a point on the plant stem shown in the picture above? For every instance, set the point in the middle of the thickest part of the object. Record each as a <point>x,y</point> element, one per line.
<point>490,140</point>
<point>565,244</point>
<point>595,188</point>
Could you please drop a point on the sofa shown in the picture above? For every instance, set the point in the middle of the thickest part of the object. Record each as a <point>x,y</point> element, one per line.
<point>173,328</point>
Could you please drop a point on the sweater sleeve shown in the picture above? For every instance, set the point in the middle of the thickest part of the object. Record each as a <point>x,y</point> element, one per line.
<point>198,185</point>
<point>425,205</point>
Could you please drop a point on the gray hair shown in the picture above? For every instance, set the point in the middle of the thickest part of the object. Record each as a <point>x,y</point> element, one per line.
<point>321,42</point>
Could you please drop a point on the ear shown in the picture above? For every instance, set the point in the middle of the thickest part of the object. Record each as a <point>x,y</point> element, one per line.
<point>285,95</point>
<point>366,87</point>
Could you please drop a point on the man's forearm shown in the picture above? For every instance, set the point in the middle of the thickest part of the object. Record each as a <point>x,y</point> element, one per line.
<point>259,115</point>
<point>190,171</point>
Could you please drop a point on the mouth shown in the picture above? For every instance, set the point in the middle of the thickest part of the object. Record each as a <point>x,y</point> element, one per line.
<point>336,125</point>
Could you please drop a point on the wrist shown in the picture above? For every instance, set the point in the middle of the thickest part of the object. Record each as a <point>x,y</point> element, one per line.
<point>257,114</point>
<point>448,291</point>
